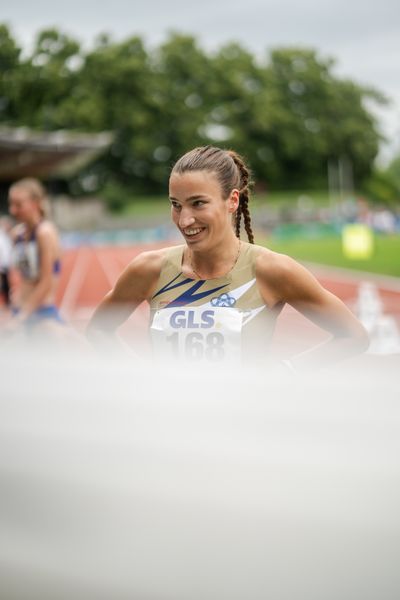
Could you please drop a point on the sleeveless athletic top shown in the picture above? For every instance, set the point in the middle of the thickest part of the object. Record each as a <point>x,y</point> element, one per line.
<point>26,256</point>
<point>211,320</point>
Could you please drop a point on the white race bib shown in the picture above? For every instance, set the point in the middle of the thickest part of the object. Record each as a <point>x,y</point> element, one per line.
<point>197,333</point>
<point>25,258</point>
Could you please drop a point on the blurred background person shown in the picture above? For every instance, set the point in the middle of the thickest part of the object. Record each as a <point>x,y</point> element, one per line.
<point>36,255</point>
<point>5,258</point>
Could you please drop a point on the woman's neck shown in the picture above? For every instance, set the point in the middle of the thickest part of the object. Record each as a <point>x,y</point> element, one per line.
<point>214,262</point>
<point>33,222</point>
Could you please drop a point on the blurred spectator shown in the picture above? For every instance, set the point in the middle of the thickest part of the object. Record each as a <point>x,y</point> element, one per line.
<point>381,219</point>
<point>364,213</point>
<point>5,257</point>
<point>384,221</point>
<point>36,255</point>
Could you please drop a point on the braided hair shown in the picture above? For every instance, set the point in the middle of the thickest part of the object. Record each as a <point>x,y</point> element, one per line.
<point>231,172</point>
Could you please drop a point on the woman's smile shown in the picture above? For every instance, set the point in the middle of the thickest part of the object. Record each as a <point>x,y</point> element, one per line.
<point>192,233</point>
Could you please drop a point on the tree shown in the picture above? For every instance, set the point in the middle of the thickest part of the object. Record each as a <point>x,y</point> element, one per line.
<point>289,114</point>
<point>45,79</point>
<point>9,67</point>
<point>393,171</point>
<point>308,116</point>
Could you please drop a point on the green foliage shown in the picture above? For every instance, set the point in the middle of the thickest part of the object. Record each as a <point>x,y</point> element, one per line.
<point>9,74</point>
<point>383,187</point>
<point>393,173</point>
<point>115,196</point>
<point>45,81</point>
<point>288,115</point>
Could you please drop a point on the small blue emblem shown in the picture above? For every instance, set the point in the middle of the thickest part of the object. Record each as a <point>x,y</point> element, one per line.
<point>223,300</point>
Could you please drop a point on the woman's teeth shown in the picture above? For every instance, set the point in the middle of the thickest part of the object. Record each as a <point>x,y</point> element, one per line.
<point>192,231</point>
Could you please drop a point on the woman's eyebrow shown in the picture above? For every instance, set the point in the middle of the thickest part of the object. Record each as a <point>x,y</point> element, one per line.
<point>195,197</point>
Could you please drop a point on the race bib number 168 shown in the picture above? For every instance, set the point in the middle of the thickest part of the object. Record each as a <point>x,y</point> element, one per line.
<point>197,334</point>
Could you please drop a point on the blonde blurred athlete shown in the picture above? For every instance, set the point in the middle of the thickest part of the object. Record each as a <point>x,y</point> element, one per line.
<point>36,256</point>
<point>216,297</point>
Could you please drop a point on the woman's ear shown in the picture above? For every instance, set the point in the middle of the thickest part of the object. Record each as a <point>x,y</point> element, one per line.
<point>233,201</point>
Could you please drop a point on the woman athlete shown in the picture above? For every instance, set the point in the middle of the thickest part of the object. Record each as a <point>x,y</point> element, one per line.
<point>36,257</point>
<point>216,297</point>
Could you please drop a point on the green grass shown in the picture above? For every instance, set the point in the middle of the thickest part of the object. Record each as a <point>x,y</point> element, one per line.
<point>328,251</point>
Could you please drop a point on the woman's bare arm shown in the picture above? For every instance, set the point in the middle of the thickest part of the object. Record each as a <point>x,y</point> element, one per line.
<point>287,281</point>
<point>135,285</point>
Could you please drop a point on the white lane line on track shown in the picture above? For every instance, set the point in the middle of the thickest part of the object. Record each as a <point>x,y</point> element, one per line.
<point>110,266</point>
<point>68,303</point>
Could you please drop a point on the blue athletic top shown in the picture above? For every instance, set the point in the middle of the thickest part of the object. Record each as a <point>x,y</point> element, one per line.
<point>26,256</point>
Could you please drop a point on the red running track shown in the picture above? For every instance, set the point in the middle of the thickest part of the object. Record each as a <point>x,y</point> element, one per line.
<point>90,272</point>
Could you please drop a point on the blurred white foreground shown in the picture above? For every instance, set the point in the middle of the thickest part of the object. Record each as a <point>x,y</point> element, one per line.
<point>382,328</point>
<point>121,481</point>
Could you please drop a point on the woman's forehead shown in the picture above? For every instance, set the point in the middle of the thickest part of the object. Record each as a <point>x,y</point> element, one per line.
<point>19,193</point>
<point>194,183</point>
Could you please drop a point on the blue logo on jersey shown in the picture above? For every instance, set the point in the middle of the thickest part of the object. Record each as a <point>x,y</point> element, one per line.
<point>187,319</point>
<point>190,295</point>
<point>223,300</point>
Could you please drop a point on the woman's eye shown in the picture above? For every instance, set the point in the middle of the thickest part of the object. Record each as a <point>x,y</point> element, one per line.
<point>199,203</point>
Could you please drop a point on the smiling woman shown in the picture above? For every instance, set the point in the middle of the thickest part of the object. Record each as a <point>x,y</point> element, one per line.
<point>216,297</point>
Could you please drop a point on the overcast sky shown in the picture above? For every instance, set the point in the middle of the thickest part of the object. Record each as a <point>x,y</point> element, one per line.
<point>363,37</point>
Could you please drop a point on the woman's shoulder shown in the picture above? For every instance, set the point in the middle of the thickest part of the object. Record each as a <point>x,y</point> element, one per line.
<point>271,264</point>
<point>46,228</point>
<point>284,276</point>
<point>142,273</point>
<point>152,259</point>
<point>279,271</point>
<point>46,236</point>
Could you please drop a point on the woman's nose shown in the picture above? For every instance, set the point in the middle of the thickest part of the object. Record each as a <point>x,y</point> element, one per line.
<point>186,219</point>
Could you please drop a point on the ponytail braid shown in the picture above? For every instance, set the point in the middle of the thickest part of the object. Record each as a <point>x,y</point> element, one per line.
<point>244,206</point>
<point>244,193</point>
